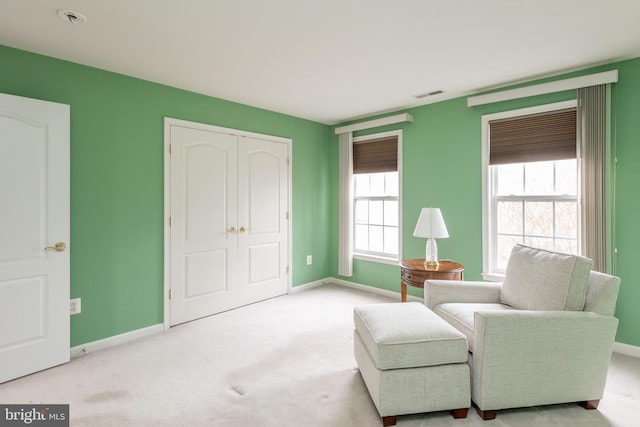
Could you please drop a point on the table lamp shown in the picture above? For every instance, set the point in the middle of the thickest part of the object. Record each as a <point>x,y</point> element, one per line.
<point>431,225</point>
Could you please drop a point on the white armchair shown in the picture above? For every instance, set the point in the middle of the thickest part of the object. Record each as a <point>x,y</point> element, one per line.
<point>543,336</point>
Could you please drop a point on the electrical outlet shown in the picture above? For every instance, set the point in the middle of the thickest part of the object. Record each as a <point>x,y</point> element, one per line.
<point>76,306</point>
<point>309,260</point>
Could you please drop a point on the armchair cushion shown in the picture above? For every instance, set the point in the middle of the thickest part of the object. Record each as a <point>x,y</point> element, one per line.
<point>537,279</point>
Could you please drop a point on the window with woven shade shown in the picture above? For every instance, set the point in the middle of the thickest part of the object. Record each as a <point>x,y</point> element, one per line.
<point>376,196</point>
<point>532,184</point>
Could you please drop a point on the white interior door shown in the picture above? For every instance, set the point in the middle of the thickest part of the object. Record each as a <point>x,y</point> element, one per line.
<point>34,194</point>
<point>262,208</point>
<point>229,236</point>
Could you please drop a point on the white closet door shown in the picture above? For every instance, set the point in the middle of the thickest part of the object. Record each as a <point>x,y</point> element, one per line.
<point>229,235</point>
<point>34,194</point>
<point>204,244</point>
<point>262,208</point>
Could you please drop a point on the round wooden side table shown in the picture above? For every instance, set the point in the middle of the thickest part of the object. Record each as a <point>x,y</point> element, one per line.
<point>414,273</point>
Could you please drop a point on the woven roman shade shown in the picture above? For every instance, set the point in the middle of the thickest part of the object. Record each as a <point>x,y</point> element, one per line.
<point>533,138</point>
<point>376,155</point>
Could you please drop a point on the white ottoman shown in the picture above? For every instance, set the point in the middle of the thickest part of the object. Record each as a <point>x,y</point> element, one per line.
<point>411,360</point>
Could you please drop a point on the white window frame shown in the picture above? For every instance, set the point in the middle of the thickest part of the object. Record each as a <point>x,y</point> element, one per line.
<point>489,257</point>
<point>373,257</point>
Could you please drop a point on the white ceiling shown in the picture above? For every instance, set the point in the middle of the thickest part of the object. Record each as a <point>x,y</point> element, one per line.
<point>329,60</point>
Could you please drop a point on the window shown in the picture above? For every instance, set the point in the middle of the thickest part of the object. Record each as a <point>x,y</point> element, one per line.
<point>536,204</point>
<point>376,189</point>
<point>530,183</point>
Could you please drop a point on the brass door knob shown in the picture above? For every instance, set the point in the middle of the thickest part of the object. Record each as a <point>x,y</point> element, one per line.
<point>58,247</point>
<point>242,229</point>
<point>232,230</point>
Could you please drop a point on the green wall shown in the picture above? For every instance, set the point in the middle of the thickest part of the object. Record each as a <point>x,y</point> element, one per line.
<point>117,183</point>
<point>442,168</point>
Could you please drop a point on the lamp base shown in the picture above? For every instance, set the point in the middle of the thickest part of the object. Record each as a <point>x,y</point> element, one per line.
<point>431,254</point>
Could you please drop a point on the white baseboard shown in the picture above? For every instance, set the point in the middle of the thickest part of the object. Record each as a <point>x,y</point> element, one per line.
<point>309,285</point>
<point>626,349</point>
<point>115,340</point>
<point>371,289</point>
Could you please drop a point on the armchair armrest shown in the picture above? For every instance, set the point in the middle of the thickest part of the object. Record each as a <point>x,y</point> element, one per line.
<point>443,291</point>
<point>529,358</point>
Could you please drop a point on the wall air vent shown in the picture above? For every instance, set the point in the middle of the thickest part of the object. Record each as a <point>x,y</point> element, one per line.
<point>424,95</point>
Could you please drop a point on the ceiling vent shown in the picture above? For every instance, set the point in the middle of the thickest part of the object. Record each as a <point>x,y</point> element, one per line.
<point>424,95</point>
<point>71,16</point>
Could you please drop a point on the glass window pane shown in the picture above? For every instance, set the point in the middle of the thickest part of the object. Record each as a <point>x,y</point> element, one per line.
<point>539,242</point>
<point>376,212</point>
<point>391,240</point>
<point>376,239</point>
<point>567,177</point>
<point>538,219</point>
<point>391,184</point>
<point>361,211</point>
<point>505,244</point>
<point>376,221</point>
<point>361,185</point>
<point>391,212</point>
<point>538,178</point>
<point>510,179</point>
<point>567,246</point>
<point>510,218</point>
<point>377,184</point>
<point>361,240</point>
<point>567,219</point>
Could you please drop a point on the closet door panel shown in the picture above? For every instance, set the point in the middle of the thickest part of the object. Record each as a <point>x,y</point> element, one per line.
<point>204,246</point>
<point>262,208</point>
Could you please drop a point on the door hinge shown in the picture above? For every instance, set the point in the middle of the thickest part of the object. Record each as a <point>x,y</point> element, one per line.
<point>287,215</point>
<point>288,161</point>
<point>170,293</point>
<point>287,269</point>
<point>169,221</point>
<point>169,148</point>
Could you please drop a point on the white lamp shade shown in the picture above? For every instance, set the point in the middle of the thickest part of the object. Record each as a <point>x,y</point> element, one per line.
<point>431,224</point>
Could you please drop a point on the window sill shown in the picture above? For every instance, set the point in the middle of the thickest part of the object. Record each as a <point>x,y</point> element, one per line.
<point>373,258</point>
<point>493,277</point>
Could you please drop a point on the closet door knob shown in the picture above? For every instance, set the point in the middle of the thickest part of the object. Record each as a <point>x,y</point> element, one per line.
<point>58,247</point>
<point>232,230</point>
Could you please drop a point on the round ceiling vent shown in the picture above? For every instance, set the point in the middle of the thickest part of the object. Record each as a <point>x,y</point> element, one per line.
<point>71,16</point>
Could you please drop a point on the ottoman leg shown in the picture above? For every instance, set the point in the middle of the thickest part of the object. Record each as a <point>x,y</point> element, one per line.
<point>459,413</point>
<point>389,421</point>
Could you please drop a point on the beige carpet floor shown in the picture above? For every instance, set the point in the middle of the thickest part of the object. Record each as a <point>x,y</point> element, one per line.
<point>287,361</point>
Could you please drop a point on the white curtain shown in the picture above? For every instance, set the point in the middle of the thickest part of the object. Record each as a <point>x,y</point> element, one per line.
<point>592,152</point>
<point>345,239</point>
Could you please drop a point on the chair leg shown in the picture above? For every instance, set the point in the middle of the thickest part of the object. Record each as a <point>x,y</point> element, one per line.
<point>590,404</point>
<point>389,421</point>
<point>486,415</point>
<point>459,413</point>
